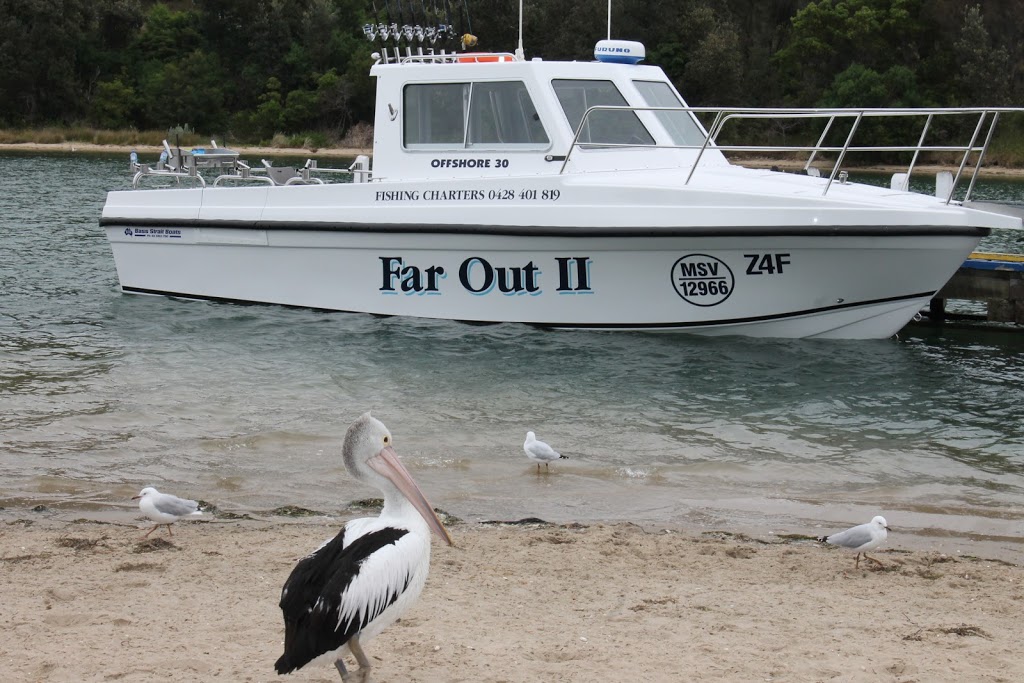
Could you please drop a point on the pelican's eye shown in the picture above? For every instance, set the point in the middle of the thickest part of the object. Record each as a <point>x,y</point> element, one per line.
<point>387,440</point>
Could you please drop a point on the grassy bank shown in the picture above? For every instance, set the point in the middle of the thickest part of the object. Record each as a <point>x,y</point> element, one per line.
<point>358,137</point>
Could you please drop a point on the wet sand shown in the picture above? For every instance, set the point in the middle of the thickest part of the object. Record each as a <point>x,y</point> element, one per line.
<point>85,601</point>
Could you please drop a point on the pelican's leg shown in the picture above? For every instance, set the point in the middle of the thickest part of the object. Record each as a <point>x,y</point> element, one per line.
<point>357,652</point>
<point>363,674</point>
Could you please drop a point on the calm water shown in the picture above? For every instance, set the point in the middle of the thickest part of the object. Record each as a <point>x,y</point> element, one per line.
<point>245,407</point>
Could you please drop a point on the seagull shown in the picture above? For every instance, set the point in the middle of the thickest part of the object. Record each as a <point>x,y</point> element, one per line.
<point>357,584</point>
<point>861,538</point>
<point>540,452</point>
<point>165,509</point>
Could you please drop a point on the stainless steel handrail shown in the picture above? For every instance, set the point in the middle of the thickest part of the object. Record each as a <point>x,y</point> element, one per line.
<point>146,171</point>
<point>243,176</point>
<point>723,116</point>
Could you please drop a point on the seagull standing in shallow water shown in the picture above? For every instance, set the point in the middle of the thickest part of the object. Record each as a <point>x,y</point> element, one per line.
<point>165,509</point>
<point>861,538</point>
<point>354,586</point>
<point>540,452</point>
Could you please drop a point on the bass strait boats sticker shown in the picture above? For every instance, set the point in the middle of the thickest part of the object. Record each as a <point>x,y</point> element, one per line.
<point>154,233</point>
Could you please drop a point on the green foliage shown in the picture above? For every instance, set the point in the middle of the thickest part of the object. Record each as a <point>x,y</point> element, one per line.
<point>984,74</point>
<point>713,70</point>
<point>829,36</point>
<point>251,69</point>
<point>187,88</point>
<point>112,104</point>
<point>1008,145</point>
<point>164,34</point>
<point>299,110</point>
<point>859,86</point>
<point>40,43</point>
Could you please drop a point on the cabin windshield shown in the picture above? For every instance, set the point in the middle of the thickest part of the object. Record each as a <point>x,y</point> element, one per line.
<point>680,125</point>
<point>602,126</point>
<point>494,115</point>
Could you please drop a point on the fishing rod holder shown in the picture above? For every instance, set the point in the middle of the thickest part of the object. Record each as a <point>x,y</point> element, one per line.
<point>422,30</point>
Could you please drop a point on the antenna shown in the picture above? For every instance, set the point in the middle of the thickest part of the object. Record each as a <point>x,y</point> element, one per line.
<point>609,18</point>
<point>520,55</point>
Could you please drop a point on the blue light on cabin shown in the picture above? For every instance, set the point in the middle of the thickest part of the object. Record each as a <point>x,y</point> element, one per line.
<point>619,52</point>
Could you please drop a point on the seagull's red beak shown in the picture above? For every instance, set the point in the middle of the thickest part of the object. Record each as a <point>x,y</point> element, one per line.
<point>136,497</point>
<point>387,464</point>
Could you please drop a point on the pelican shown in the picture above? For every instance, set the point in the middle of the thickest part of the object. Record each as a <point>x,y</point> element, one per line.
<point>540,452</point>
<point>861,538</point>
<point>357,584</point>
<point>165,509</point>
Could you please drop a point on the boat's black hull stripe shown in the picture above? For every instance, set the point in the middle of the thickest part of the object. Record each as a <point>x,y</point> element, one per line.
<point>603,326</point>
<point>559,231</point>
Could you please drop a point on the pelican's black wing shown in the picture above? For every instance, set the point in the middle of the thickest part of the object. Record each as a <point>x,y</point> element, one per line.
<point>311,599</point>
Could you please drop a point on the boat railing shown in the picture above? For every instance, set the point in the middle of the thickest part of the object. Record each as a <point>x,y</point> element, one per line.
<point>451,58</point>
<point>142,171</point>
<point>980,137</point>
<point>238,170</point>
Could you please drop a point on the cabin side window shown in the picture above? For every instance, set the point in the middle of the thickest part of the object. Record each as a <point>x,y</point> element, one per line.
<point>603,127</point>
<point>502,113</point>
<point>459,115</point>
<point>435,115</point>
<point>681,126</point>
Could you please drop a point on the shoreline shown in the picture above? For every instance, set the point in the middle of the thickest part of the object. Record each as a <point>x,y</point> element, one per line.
<point>352,152</point>
<point>154,150</point>
<point>912,533</point>
<point>508,603</point>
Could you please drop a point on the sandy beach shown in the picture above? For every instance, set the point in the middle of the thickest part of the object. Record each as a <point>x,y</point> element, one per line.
<point>85,601</point>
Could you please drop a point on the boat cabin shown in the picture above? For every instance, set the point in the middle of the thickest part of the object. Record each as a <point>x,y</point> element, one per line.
<point>474,115</point>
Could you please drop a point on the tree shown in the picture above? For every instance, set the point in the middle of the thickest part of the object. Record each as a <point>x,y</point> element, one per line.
<point>861,87</point>
<point>829,36</point>
<point>712,72</point>
<point>112,105</point>
<point>187,89</point>
<point>41,42</point>
<point>985,73</point>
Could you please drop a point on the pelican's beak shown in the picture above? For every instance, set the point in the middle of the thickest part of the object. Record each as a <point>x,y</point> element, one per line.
<point>386,463</point>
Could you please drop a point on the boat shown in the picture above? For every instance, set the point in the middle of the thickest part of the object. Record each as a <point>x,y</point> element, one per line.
<point>567,195</point>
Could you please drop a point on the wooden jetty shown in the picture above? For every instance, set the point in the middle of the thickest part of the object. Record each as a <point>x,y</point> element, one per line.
<point>994,279</point>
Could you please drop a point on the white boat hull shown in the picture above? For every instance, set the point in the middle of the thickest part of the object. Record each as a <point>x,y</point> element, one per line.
<point>577,195</point>
<point>837,286</point>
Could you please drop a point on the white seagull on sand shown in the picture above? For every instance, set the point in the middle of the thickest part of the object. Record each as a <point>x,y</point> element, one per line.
<point>354,586</point>
<point>540,452</point>
<point>165,509</point>
<point>861,538</point>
